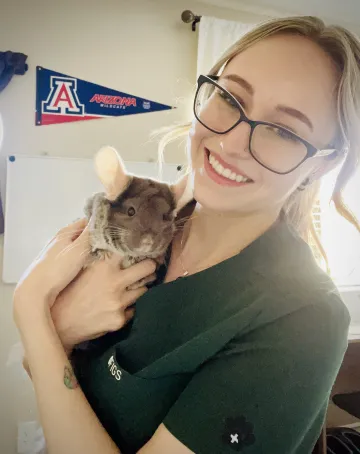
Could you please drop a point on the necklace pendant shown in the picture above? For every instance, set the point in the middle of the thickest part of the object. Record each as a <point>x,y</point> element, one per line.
<point>185,273</point>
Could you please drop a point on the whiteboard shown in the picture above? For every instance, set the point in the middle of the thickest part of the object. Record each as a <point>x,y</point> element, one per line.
<point>44,194</point>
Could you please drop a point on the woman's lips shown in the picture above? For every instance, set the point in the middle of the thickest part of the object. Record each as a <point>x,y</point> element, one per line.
<point>219,178</point>
<point>226,165</point>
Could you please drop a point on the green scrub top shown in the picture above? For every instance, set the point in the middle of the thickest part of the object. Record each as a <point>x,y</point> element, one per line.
<point>240,357</point>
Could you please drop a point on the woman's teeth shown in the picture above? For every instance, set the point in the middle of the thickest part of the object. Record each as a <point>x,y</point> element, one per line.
<point>227,173</point>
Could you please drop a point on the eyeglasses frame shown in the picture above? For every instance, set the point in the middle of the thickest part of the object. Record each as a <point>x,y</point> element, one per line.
<point>312,151</point>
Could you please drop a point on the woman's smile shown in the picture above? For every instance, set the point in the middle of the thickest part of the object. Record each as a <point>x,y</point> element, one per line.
<point>223,173</point>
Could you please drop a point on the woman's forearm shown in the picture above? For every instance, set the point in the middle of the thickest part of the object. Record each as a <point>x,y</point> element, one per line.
<point>70,425</point>
<point>25,362</point>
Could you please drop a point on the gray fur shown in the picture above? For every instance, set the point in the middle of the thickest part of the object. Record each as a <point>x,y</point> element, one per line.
<point>112,230</point>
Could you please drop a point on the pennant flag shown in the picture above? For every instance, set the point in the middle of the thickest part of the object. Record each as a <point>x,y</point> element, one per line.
<point>62,99</point>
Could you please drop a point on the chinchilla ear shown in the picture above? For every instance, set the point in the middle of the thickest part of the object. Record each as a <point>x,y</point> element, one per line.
<point>111,171</point>
<point>183,191</point>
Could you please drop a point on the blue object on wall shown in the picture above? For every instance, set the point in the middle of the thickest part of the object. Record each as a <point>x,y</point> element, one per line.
<point>11,63</point>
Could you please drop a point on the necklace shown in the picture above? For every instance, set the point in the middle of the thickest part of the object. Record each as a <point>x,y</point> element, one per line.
<point>186,270</point>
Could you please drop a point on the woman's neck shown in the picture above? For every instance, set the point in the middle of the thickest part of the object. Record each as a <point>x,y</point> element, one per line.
<point>210,237</point>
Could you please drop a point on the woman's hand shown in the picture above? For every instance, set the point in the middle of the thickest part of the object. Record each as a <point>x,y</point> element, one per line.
<point>55,267</point>
<point>97,301</point>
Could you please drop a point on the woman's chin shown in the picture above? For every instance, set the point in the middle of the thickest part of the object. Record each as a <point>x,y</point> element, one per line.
<point>215,202</point>
<point>215,197</point>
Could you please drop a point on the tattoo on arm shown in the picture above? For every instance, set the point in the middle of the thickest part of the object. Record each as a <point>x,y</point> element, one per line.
<point>70,380</point>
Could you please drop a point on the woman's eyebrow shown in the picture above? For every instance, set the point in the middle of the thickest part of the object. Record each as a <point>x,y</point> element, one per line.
<point>296,114</point>
<point>239,80</point>
<point>281,108</point>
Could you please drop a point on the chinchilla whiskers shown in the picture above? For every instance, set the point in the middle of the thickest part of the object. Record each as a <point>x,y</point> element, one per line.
<point>115,226</point>
<point>119,233</point>
<point>69,234</point>
<point>68,249</point>
<point>115,229</point>
<point>168,228</point>
<point>180,224</point>
<point>86,252</point>
<point>180,227</point>
<point>182,220</point>
<point>65,250</point>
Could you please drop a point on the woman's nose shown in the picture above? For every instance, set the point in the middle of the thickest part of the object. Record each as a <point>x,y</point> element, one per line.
<point>236,142</point>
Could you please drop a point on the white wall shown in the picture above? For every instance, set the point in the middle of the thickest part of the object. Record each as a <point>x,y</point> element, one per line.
<point>140,47</point>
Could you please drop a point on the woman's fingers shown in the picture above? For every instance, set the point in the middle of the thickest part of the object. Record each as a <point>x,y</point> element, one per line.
<point>82,237</point>
<point>79,228</point>
<point>136,272</point>
<point>129,314</point>
<point>72,231</point>
<point>72,243</point>
<point>132,295</point>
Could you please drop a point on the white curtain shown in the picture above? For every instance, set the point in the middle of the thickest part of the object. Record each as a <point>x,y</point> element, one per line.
<point>215,36</point>
<point>340,239</point>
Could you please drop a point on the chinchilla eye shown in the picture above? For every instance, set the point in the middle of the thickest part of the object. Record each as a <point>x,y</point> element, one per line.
<point>131,211</point>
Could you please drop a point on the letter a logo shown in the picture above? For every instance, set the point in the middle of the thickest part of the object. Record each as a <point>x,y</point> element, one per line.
<point>63,98</point>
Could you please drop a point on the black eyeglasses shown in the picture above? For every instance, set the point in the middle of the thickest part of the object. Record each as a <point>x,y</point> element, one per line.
<point>273,146</point>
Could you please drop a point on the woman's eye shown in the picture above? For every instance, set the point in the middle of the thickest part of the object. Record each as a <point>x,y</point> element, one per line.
<point>131,211</point>
<point>228,99</point>
<point>283,134</point>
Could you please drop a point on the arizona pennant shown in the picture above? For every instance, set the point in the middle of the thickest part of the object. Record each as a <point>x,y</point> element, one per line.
<point>62,99</point>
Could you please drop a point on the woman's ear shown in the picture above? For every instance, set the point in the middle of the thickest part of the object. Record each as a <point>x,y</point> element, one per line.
<point>111,171</point>
<point>328,163</point>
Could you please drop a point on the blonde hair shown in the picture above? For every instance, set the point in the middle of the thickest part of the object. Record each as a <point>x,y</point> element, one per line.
<point>344,49</point>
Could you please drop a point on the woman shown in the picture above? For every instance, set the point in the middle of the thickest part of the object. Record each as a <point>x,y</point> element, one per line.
<point>241,353</point>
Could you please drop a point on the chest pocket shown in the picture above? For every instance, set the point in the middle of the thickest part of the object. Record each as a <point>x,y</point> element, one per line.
<point>130,407</point>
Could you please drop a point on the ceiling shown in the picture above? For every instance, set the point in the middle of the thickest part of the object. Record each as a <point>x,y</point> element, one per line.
<point>344,12</point>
